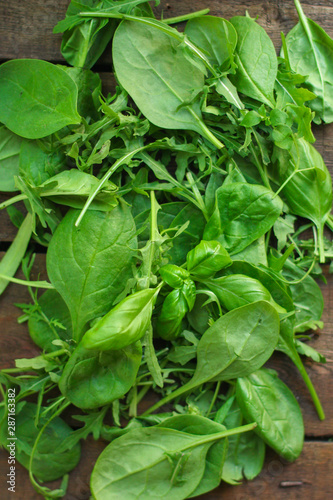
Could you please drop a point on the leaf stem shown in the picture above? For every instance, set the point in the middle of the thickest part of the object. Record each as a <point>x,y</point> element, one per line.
<point>186,17</point>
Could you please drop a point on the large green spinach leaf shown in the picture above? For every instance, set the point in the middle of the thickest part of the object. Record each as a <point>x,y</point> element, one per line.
<point>265,399</point>
<point>37,98</point>
<point>89,265</point>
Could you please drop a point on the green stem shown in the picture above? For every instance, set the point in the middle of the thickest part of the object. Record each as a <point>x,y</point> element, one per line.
<point>104,179</point>
<point>197,195</point>
<point>35,284</point>
<point>185,17</point>
<point>216,393</point>
<point>220,435</point>
<point>178,392</point>
<point>329,222</point>
<point>205,130</point>
<point>316,401</point>
<point>37,487</point>
<point>13,200</point>
<point>262,172</point>
<point>321,243</point>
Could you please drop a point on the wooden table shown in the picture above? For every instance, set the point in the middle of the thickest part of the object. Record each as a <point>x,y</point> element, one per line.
<point>26,31</point>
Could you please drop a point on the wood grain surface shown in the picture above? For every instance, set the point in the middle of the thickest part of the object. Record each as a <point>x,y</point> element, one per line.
<point>26,31</point>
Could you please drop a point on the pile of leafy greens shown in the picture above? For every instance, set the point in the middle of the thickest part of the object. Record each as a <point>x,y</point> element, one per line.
<point>174,213</point>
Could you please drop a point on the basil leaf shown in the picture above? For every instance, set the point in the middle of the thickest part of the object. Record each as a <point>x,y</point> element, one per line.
<point>207,258</point>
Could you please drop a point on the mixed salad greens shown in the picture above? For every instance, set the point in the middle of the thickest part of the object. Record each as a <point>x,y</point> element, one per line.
<point>183,217</point>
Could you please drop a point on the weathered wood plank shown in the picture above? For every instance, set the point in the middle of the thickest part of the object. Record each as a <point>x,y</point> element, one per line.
<point>27,27</point>
<point>309,478</point>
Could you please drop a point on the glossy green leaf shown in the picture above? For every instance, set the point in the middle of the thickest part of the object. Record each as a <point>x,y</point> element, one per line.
<point>51,321</point>
<point>310,52</point>
<point>37,98</point>
<point>144,58</point>
<point>207,258</point>
<point>92,378</point>
<point>126,323</point>
<point>243,213</point>
<point>266,400</point>
<point>10,146</point>
<point>48,463</point>
<point>89,265</point>
<point>256,61</point>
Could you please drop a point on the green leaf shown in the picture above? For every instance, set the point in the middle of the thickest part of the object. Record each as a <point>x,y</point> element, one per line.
<point>144,59</point>
<point>37,98</point>
<point>207,258</point>
<point>44,322</point>
<point>310,52</point>
<point>266,400</point>
<point>256,61</point>
<point>92,378</point>
<point>90,265</point>
<point>49,462</point>
<point>10,146</point>
<point>243,213</point>
<point>126,323</point>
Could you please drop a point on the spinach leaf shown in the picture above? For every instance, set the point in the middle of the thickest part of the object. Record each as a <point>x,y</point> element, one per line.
<point>10,146</point>
<point>206,259</point>
<point>246,452</point>
<point>256,61</point>
<point>198,425</point>
<point>237,290</point>
<point>144,60</point>
<point>51,321</point>
<point>89,87</point>
<point>310,52</point>
<point>308,184</point>
<point>265,399</point>
<point>216,36</point>
<point>160,463</point>
<point>48,463</point>
<point>243,213</point>
<point>89,265</point>
<point>38,98</point>
<point>37,164</point>
<point>92,378</point>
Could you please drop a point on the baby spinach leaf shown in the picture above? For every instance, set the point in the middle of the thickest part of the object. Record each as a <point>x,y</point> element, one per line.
<point>308,188</point>
<point>51,321</point>
<point>256,61</point>
<point>10,145</point>
<point>38,98</point>
<point>72,188</point>
<point>37,164</point>
<point>126,323</point>
<point>310,52</point>
<point>207,258</point>
<point>89,265</point>
<point>92,378</point>
<point>48,463</point>
<point>160,463</point>
<point>216,36</point>
<point>265,399</point>
<point>237,290</point>
<point>245,338</point>
<point>243,213</point>
<point>89,87</point>
<point>144,60</point>
<point>246,452</point>
<point>198,425</point>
